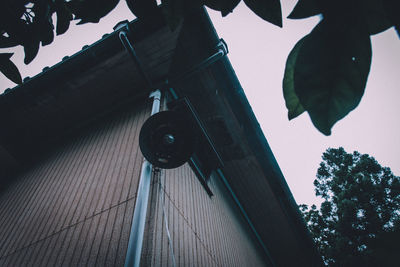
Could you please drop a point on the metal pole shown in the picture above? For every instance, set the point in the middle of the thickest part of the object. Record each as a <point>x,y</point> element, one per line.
<point>139,217</point>
<point>156,95</point>
<point>123,36</point>
<point>135,244</point>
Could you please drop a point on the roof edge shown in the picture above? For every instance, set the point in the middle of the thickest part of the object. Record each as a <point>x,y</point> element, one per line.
<point>262,150</point>
<point>99,50</point>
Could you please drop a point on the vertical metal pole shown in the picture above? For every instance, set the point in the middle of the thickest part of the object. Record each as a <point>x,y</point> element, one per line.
<point>156,95</point>
<point>135,244</point>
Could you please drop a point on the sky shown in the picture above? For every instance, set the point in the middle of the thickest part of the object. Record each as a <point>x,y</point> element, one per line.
<point>258,52</point>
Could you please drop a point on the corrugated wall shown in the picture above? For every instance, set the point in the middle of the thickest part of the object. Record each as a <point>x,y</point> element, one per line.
<point>75,207</point>
<point>205,231</point>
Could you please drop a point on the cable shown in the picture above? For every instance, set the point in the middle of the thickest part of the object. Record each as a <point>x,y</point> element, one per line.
<point>162,200</point>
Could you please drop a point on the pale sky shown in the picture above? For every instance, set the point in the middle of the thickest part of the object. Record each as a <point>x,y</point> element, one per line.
<point>258,52</point>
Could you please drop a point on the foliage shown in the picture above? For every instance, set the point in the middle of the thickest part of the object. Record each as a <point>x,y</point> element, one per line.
<point>327,71</point>
<point>325,74</point>
<point>358,223</point>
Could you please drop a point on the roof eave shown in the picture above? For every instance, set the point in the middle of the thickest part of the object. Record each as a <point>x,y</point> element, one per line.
<point>261,149</point>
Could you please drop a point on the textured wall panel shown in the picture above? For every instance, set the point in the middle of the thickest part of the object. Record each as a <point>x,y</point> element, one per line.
<point>75,206</point>
<point>205,231</point>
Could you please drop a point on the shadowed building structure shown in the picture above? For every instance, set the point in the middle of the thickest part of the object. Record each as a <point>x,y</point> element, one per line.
<point>71,164</point>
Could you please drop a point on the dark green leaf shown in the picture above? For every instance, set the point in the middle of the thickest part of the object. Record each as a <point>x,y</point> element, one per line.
<point>375,16</point>
<point>46,32</point>
<point>7,42</point>
<point>173,11</point>
<point>372,15</point>
<point>64,17</point>
<point>31,49</point>
<point>42,22</point>
<point>292,101</point>
<point>48,37</point>
<point>25,35</point>
<point>8,68</point>
<point>17,30</point>
<point>269,10</point>
<point>10,14</point>
<point>91,10</point>
<point>331,72</point>
<point>143,8</point>
<point>305,9</point>
<point>225,6</point>
<point>393,14</point>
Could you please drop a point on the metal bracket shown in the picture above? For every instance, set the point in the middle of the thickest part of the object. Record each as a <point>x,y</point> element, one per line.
<point>123,36</point>
<point>222,46</point>
<point>222,50</point>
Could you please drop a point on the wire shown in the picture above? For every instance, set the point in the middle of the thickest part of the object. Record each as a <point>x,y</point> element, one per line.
<point>162,200</point>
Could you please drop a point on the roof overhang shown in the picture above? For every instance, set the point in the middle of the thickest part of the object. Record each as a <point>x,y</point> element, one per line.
<point>102,77</point>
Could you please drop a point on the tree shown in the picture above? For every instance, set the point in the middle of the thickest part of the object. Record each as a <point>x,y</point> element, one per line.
<point>326,72</point>
<point>358,223</point>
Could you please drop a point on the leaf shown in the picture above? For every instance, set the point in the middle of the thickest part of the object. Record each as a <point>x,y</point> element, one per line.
<point>24,34</point>
<point>331,72</point>
<point>6,42</point>
<point>42,23</point>
<point>292,101</point>
<point>173,12</point>
<point>17,30</point>
<point>392,11</point>
<point>375,16</point>
<point>31,48</point>
<point>224,6</point>
<point>45,30</point>
<point>143,8</point>
<point>8,68</point>
<point>64,16</point>
<point>10,14</point>
<point>305,9</point>
<point>269,10</point>
<point>91,10</point>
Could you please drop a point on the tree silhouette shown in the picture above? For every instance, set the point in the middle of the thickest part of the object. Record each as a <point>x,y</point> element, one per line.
<point>358,223</point>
